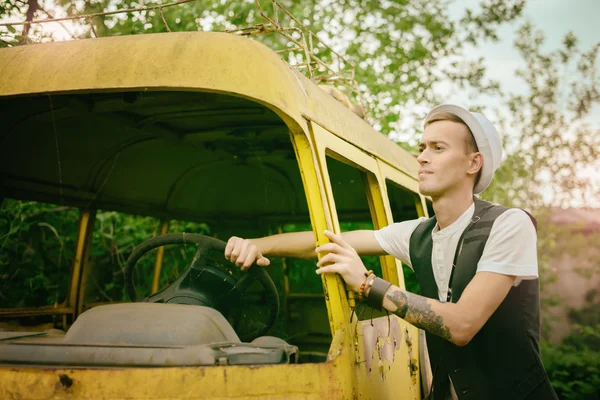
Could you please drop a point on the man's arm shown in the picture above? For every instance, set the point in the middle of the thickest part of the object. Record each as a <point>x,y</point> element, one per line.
<point>457,322</point>
<point>245,252</point>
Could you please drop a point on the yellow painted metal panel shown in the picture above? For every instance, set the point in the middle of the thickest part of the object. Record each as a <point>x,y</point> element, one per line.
<point>410,182</point>
<point>330,145</point>
<point>160,253</point>
<point>422,207</point>
<point>82,247</point>
<point>327,144</point>
<point>386,359</point>
<point>305,381</point>
<point>387,367</point>
<point>337,305</point>
<point>31,311</point>
<point>330,380</point>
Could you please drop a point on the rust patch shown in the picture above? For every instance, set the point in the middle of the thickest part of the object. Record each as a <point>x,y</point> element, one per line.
<point>337,344</point>
<point>325,292</point>
<point>64,382</point>
<point>412,362</point>
<point>384,335</point>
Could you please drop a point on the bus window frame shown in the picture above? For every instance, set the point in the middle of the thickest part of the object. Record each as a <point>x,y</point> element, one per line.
<point>329,145</point>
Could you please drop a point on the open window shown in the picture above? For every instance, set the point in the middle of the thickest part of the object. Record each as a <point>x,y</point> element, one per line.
<point>114,237</point>
<point>304,302</point>
<point>350,186</point>
<point>403,204</point>
<point>37,247</point>
<point>203,163</point>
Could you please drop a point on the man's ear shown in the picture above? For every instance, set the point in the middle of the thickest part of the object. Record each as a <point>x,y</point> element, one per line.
<point>476,163</point>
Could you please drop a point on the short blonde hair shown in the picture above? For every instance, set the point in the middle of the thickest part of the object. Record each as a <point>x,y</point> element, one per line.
<point>446,116</point>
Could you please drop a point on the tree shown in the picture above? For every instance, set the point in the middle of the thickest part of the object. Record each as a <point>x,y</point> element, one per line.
<point>548,135</point>
<point>399,47</point>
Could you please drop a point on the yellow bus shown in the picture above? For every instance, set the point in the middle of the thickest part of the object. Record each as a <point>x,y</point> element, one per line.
<point>201,135</point>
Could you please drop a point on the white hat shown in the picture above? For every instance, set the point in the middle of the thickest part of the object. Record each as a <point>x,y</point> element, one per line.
<point>486,136</point>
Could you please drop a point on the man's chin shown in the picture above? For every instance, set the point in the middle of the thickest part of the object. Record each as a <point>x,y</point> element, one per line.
<point>427,190</point>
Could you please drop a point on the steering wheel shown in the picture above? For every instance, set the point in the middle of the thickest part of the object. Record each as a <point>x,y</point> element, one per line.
<point>202,284</point>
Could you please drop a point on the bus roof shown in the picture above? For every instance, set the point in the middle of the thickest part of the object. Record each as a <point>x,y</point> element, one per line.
<point>190,61</point>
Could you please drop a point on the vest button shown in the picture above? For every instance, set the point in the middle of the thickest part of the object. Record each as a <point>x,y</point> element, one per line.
<point>465,391</point>
<point>457,370</point>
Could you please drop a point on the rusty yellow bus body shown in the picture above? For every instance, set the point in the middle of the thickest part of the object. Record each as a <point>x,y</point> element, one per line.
<point>369,359</point>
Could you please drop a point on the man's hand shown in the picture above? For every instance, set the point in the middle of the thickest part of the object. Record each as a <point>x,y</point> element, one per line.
<point>244,253</point>
<point>343,259</point>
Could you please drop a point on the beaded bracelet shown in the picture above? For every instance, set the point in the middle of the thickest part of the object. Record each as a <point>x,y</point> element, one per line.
<point>363,286</point>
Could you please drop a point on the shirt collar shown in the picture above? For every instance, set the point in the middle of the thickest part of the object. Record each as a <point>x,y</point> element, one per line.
<point>460,223</point>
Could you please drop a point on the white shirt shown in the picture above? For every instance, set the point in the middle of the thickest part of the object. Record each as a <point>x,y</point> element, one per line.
<point>510,249</point>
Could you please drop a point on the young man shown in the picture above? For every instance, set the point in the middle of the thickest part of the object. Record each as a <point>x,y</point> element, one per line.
<point>476,264</point>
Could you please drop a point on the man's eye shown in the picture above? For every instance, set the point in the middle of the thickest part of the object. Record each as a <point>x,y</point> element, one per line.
<point>438,148</point>
<point>421,149</point>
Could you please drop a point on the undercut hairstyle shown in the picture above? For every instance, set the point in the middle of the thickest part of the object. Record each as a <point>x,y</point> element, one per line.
<point>471,145</point>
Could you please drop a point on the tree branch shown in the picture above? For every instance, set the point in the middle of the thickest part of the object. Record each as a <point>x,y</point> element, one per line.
<point>33,7</point>
<point>59,22</point>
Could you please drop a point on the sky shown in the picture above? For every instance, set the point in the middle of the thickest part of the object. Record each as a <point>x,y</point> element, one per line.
<point>554,17</point>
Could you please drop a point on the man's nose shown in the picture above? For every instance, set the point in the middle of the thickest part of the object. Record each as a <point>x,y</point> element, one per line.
<point>422,158</point>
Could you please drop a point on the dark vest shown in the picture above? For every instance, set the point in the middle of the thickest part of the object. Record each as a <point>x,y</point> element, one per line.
<point>503,360</point>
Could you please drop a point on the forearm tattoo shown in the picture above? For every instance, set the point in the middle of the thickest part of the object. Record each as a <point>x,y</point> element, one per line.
<point>398,297</point>
<point>417,310</point>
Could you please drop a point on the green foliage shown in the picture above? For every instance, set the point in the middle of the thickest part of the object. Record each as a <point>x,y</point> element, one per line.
<point>589,314</point>
<point>301,273</point>
<point>483,25</point>
<point>410,280</point>
<point>37,243</point>
<point>114,237</point>
<point>178,258</point>
<point>574,365</point>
